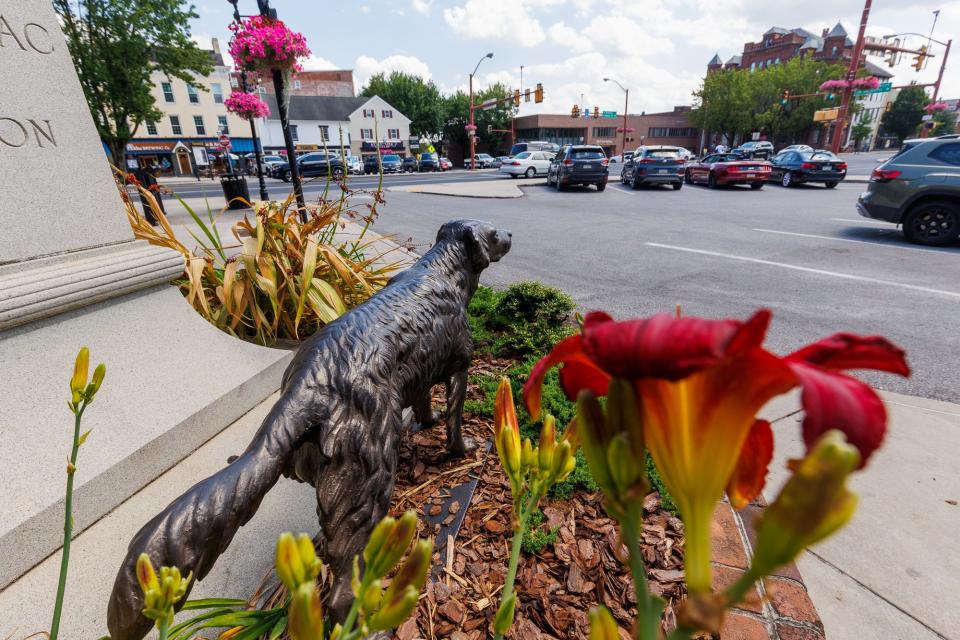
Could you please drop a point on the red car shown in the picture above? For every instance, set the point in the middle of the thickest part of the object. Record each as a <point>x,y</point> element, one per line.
<point>445,164</point>
<point>727,168</point>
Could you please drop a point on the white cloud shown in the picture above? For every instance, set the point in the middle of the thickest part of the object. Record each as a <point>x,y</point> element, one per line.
<point>365,66</point>
<point>316,63</point>
<point>504,19</point>
<point>563,35</point>
<point>365,8</point>
<point>422,6</point>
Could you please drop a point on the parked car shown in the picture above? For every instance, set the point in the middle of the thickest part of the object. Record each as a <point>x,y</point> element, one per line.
<point>429,162</point>
<point>727,168</point>
<point>269,164</point>
<point>657,164</point>
<point>410,164</point>
<point>755,149</point>
<point>314,165</point>
<point>534,145</point>
<point>918,188</point>
<point>391,163</point>
<point>687,155</point>
<point>499,160</point>
<point>445,164</point>
<point>484,161</point>
<point>796,167</point>
<point>371,164</point>
<point>797,147</point>
<point>354,164</point>
<point>528,164</point>
<point>579,164</point>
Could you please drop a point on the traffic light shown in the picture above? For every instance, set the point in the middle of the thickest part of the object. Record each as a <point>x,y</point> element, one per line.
<point>920,58</point>
<point>575,112</point>
<point>596,112</point>
<point>538,94</point>
<point>516,97</point>
<point>830,96</point>
<point>785,98</point>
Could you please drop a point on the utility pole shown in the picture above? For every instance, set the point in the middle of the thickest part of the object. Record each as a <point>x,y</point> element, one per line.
<point>473,127</point>
<point>943,66</point>
<point>626,105</point>
<point>844,118</point>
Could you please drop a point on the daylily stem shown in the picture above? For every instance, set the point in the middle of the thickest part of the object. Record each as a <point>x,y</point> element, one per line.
<point>696,550</point>
<point>647,610</point>
<point>67,525</point>
<point>515,550</point>
<point>162,628</point>
<point>354,609</point>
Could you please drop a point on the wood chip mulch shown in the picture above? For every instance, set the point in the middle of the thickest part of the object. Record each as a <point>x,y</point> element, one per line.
<point>557,587</point>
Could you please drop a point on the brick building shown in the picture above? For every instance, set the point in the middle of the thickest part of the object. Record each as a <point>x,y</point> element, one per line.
<point>779,45</point>
<point>667,128</point>
<point>337,83</point>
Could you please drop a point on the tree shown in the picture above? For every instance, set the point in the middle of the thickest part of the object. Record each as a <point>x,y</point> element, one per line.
<point>116,45</point>
<point>413,97</point>
<point>944,122</point>
<point>905,115</point>
<point>456,115</point>
<point>862,129</point>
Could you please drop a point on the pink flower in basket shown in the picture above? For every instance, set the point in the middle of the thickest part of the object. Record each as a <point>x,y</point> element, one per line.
<point>935,106</point>
<point>869,82</point>
<point>833,84</point>
<point>261,45</point>
<point>246,105</point>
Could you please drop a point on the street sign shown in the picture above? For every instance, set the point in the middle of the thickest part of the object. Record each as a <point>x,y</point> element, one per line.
<point>883,88</point>
<point>609,114</point>
<point>225,142</point>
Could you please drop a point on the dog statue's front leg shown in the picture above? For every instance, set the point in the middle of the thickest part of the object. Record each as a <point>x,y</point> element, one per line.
<point>423,414</point>
<point>457,445</point>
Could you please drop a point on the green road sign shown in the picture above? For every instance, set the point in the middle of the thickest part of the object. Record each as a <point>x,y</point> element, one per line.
<point>609,114</point>
<point>883,88</point>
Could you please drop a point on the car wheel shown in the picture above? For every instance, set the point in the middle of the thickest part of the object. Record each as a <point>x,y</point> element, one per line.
<point>634,183</point>
<point>687,177</point>
<point>530,173</point>
<point>558,184</point>
<point>287,175</point>
<point>712,181</point>
<point>677,186</point>
<point>337,172</point>
<point>623,177</point>
<point>786,179</point>
<point>831,184</point>
<point>932,223</point>
<point>756,186</point>
<point>601,186</point>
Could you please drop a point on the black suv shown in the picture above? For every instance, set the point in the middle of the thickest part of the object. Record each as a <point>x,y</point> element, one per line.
<point>920,189</point>
<point>578,164</point>
<point>313,165</point>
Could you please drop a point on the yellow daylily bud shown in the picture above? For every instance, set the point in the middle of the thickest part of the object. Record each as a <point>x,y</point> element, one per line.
<point>504,618</point>
<point>394,546</point>
<point>508,448</point>
<point>623,416</point>
<point>602,625</point>
<point>563,462</point>
<point>305,614</point>
<point>377,538</point>
<point>592,430</point>
<point>146,576</point>
<point>504,409</point>
<point>94,385</point>
<point>289,567</point>
<point>813,504</point>
<point>413,573</point>
<point>395,611</point>
<point>373,596</point>
<point>335,632</point>
<point>160,593</point>
<point>308,556</point>
<point>528,455</point>
<point>80,371</point>
<point>548,443</point>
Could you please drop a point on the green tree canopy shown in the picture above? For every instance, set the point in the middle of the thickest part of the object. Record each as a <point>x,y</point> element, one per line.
<point>457,116</point>
<point>905,115</point>
<point>413,97</point>
<point>944,122</point>
<point>116,45</point>
<point>862,129</point>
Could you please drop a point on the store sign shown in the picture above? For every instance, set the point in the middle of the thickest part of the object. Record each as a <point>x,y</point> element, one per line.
<point>382,147</point>
<point>414,143</point>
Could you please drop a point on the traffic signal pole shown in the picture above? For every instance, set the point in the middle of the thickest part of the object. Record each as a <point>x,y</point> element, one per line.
<point>841,126</point>
<point>943,65</point>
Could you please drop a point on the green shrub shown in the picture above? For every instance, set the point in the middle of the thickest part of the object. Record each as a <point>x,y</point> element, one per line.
<point>480,312</point>
<point>536,537</point>
<point>666,500</point>
<point>531,318</point>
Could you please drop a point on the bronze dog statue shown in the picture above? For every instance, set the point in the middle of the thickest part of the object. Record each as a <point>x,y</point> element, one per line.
<point>336,424</point>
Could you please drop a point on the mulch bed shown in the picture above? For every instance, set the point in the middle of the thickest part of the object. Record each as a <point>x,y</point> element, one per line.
<point>557,587</point>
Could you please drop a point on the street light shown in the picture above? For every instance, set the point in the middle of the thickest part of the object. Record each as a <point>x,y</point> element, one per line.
<point>626,102</point>
<point>253,127</point>
<point>473,127</point>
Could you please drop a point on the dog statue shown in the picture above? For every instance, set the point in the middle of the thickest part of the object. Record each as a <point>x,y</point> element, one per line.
<point>336,424</point>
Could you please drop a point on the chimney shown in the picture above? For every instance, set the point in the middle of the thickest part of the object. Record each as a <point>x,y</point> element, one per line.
<point>215,43</point>
<point>824,33</point>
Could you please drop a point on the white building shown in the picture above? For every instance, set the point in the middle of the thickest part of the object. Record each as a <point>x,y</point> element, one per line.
<point>355,126</point>
<point>873,105</point>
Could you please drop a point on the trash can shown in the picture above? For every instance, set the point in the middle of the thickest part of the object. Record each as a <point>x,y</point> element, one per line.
<point>149,182</point>
<point>235,191</point>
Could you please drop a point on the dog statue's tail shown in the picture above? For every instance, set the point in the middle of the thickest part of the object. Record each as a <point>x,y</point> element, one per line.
<point>196,528</point>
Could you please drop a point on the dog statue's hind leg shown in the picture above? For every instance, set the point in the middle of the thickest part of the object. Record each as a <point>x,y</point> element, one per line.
<point>456,395</point>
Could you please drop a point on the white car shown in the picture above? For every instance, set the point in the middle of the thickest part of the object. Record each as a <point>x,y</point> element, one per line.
<point>687,155</point>
<point>355,165</point>
<point>528,164</point>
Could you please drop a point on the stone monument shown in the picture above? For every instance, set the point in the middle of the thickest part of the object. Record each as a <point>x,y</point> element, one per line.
<point>71,274</point>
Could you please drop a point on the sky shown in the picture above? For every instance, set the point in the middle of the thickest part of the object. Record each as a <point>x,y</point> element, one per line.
<point>658,49</point>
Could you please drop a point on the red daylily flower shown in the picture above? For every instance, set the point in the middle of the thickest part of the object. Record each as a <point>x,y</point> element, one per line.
<point>701,383</point>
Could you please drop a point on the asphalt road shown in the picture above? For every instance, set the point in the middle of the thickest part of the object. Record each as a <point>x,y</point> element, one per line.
<point>802,252</point>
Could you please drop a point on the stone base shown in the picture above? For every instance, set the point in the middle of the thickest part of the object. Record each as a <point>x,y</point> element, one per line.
<point>173,381</point>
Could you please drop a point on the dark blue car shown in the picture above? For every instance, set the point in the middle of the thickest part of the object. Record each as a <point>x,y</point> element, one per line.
<point>791,168</point>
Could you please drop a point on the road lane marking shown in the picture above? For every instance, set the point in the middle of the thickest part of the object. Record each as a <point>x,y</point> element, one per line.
<point>876,244</point>
<point>794,267</point>
<point>862,220</point>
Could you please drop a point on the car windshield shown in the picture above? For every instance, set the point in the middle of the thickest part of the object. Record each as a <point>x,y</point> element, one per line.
<point>391,158</point>
<point>586,154</point>
<point>523,155</point>
<point>748,145</point>
<point>818,155</point>
<point>663,153</point>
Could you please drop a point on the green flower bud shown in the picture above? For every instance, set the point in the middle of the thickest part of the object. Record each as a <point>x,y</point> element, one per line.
<point>395,611</point>
<point>394,546</point>
<point>305,614</point>
<point>504,618</point>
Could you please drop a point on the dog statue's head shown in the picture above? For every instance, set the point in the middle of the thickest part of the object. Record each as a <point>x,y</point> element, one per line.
<point>484,242</point>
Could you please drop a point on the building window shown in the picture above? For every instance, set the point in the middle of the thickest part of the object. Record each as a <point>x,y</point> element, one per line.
<point>386,113</point>
<point>294,133</point>
<point>223,124</point>
<point>261,89</point>
<point>835,49</point>
<point>175,125</point>
<point>198,124</point>
<point>366,134</point>
<point>325,132</point>
<point>604,132</point>
<point>217,92</point>
<point>167,91</point>
<point>297,84</point>
<point>671,132</point>
<point>393,134</point>
<point>369,113</point>
<point>192,94</point>
<point>151,128</point>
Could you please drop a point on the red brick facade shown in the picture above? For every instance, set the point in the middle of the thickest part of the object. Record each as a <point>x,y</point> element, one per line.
<point>779,45</point>
<point>337,83</point>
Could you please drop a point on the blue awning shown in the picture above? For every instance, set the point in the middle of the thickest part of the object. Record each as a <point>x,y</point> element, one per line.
<point>241,145</point>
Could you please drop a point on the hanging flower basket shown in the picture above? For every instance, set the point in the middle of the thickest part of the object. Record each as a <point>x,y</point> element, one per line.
<point>246,105</point>
<point>833,84</point>
<point>935,106</point>
<point>869,82</point>
<point>262,45</point>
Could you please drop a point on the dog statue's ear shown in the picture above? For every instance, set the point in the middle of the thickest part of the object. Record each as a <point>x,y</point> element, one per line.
<point>478,249</point>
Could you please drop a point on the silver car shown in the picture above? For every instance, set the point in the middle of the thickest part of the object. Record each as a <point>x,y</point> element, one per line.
<point>528,164</point>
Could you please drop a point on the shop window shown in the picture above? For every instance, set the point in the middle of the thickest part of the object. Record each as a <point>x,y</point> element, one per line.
<point>151,128</point>
<point>217,89</point>
<point>192,94</point>
<point>198,124</point>
<point>167,91</point>
<point>175,126</point>
<point>223,124</point>
<point>325,132</point>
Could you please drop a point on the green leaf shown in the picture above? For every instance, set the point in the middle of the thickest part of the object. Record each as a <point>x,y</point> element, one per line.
<point>209,603</point>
